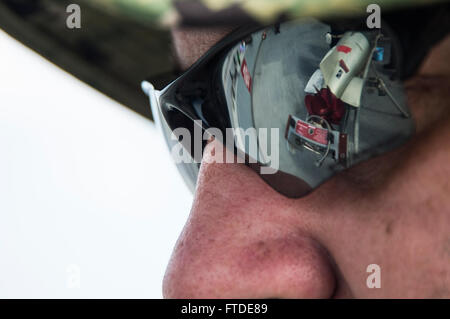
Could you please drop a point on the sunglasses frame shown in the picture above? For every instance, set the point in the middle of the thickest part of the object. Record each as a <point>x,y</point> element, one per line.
<point>177,114</point>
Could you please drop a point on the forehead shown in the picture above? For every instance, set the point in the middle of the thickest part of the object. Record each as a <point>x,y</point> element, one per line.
<point>191,43</point>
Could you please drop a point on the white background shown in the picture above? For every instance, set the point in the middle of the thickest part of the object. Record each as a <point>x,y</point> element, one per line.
<point>88,190</point>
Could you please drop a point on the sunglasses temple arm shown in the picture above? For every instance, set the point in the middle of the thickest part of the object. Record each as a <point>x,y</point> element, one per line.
<point>153,95</point>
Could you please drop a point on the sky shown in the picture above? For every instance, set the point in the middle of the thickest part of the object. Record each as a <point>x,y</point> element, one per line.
<point>91,203</point>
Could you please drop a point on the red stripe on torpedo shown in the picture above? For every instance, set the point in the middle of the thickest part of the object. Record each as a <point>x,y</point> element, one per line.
<point>343,48</point>
<point>344,66</point>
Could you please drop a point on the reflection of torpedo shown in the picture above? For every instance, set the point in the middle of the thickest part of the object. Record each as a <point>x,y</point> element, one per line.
<point>340,79</point>
<point>341,68</point>
<point>344,69</point>
<point>342,65</point>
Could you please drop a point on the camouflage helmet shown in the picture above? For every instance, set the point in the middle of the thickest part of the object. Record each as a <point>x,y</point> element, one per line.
<point>208,12</point>
<point>140,28</point>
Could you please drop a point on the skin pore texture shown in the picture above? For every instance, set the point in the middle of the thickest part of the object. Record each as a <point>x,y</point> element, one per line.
<point>245,240</point>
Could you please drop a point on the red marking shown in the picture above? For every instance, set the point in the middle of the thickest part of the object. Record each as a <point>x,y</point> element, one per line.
<point>246,75</point>
<point>326,105</point>
<point>343,48</point>
<point>316,134</point>
<point>343,148</point>
<point>343,65</point>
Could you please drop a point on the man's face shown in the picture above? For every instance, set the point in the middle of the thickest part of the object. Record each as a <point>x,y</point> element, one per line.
<point>245,240</point>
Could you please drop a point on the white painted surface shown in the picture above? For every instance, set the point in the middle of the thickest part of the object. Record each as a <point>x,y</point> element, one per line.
<point>89,197</point>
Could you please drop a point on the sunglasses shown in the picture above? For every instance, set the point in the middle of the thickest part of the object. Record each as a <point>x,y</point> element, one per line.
<point>300,101</point>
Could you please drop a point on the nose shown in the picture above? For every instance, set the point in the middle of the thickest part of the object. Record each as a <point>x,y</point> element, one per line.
<point>244,240</point>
